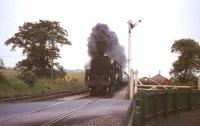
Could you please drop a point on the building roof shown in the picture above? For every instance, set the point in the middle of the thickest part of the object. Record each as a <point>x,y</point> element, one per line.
<point>158,77</point>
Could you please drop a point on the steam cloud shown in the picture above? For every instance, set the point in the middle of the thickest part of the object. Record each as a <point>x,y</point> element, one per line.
<point>103,40</point>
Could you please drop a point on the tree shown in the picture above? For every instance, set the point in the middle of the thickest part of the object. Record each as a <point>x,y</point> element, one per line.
<point>39,41</point>
<point>2,78</point>
<point>186,68</point>
<point>1,64</point>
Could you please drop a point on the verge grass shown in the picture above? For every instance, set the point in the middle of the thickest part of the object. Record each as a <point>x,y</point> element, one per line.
<point>12,86</point>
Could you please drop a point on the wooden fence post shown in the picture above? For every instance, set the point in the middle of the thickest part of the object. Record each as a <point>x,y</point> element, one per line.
<point>140,102</point>
<point>199,83</point>
<point>166,103</point>
<point>156,104</point>
<point>198,98</point>
<point>175,101</point>
<point>189,100</point>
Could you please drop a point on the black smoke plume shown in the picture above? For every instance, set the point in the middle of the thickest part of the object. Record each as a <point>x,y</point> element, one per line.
<point>103,40</point>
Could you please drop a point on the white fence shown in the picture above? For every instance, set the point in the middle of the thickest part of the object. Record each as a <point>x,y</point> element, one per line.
<point>136,84</point>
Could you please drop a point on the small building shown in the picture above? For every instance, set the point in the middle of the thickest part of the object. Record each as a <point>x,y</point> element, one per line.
<point>161,79</point>
<point>157,78</point>
<point>145,80</point>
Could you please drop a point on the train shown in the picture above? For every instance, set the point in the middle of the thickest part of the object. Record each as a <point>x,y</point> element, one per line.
<point>105,75</point>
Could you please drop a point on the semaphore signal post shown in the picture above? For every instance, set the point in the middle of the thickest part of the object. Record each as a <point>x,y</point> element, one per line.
<point>131,72</point>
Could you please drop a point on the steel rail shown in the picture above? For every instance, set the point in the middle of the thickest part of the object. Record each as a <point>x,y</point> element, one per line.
<point>9,117</point>
<point>41,96</point>
<point>65,115</point>
<point>59,95</point>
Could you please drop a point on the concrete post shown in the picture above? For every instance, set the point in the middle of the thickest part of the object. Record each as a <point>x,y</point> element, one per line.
<point>199,83</point>
<point>131,84</point>
<point>136,82</point>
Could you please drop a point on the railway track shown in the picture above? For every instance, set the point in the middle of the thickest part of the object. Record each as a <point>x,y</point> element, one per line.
<point>47,96</point>
<point>13,116</point>
<point>68,114</point>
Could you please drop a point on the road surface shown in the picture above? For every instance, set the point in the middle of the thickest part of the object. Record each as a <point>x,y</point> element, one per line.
<point>81,112</point>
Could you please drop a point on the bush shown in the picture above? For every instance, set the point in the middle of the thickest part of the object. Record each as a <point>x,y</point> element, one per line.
<point>28,77</point>
<point>2,78</point>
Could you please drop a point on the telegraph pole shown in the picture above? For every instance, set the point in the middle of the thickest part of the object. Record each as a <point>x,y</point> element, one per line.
<point>130,72</point>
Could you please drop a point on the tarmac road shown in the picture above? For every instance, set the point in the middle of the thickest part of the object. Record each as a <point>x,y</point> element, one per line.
<point>187,118</point>
<point>105,110</point>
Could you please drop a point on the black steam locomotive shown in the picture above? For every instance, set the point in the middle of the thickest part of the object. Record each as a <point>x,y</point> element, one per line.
<point>105,75</point>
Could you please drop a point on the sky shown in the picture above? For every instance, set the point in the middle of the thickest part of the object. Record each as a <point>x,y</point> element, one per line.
<point>163,22</point>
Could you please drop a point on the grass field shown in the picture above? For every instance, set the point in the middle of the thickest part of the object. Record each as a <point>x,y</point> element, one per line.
<point>10,85</point>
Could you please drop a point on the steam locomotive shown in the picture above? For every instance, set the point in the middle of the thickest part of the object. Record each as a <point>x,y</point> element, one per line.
<point>105,75</point>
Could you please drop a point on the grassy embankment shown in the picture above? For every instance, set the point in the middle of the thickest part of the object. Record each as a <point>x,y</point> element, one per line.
<point>10,85</point>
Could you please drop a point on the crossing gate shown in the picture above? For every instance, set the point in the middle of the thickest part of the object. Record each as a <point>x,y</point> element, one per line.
<point>136,85</point>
